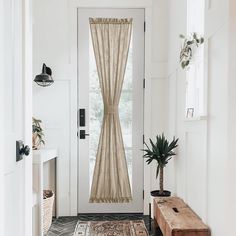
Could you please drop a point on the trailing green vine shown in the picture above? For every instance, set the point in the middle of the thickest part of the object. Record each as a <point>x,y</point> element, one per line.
<point>188,45</point>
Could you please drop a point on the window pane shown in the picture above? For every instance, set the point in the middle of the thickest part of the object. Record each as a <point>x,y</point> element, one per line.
<point>195,73</point>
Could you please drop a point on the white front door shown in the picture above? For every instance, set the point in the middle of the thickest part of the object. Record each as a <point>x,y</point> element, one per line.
<point>91,106</point>
<point>16,119</point>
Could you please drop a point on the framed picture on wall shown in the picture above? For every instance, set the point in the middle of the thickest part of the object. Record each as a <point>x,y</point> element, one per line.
<point>190,112</point>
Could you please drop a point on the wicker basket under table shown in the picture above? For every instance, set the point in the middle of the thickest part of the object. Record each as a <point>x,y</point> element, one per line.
<point>48,200</point>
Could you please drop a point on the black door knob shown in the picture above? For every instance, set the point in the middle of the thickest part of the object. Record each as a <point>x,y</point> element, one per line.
<point>25,150</point>
<point>21,150</point>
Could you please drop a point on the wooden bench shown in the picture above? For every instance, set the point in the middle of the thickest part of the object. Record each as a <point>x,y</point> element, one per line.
<point>175,218</point>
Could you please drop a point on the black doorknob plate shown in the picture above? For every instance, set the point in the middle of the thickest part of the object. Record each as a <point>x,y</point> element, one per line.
<point>82,134</point>
<point>21,150</point>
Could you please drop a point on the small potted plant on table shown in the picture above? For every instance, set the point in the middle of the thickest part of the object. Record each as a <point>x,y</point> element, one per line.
<point>160,151</point>
<point>37,134</point>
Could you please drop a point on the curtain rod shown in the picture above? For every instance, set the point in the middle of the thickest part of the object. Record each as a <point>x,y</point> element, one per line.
<point>110,21</point>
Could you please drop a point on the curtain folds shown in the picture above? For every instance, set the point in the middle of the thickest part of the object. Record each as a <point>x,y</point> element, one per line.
<point>111,40</point>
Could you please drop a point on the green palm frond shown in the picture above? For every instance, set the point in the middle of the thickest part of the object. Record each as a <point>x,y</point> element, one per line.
<point>160,150</point>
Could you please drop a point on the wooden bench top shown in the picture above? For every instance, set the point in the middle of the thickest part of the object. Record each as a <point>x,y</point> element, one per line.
<point>173,213</point>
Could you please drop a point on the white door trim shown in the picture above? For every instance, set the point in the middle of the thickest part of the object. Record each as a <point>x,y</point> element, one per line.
<point>73,5</point>
<point>84,48</point>
<point>27,100</point>
<point>2,223</point>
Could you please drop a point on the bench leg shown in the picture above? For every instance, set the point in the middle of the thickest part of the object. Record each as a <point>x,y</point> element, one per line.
<point>150,217</point>
<point>156,228</point>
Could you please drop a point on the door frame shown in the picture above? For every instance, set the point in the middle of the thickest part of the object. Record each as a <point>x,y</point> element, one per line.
<point>73,5</point>
<point>27,100</point>
<point>2,106</point>
<point>136,205</point>
<point>27,113</point>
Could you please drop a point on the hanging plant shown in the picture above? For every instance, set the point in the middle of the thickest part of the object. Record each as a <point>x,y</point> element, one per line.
<point>37,134</point>
<point>189,44</point>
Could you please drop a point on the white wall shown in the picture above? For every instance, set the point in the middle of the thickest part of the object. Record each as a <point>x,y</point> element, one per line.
<point>205,154</point>
<point>231,161</point>
<point>2,122</point>
<point>56,105</point>
<point>158,88</point>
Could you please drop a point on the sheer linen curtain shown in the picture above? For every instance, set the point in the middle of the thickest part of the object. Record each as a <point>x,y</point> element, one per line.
<point>111,40</point>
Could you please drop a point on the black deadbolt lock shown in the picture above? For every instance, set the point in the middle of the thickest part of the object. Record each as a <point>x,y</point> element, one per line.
<point>82,117</point>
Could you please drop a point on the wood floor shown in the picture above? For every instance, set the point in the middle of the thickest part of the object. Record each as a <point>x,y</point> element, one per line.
<point>65,225</point>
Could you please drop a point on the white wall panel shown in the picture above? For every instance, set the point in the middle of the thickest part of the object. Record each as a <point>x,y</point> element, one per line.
<point>159,109</point>
<point>231,162</point>
<point>51,33</point>
<point>160,31</point>
<point>52,106</point>
<point>217,129</point>
<point>196,170</point>
<point>201,165</point>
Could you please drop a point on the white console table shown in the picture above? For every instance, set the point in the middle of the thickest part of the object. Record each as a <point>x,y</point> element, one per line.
<point>40,157</point>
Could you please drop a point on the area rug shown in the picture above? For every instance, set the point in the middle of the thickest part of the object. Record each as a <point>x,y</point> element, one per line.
<point>111,228</point>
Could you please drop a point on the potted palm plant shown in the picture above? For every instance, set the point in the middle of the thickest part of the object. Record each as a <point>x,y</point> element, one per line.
<point>160,151</point>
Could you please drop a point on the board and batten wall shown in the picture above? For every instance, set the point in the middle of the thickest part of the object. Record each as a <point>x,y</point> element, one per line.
<point>54,44</point>
<point>205,165</point>
<point>231,161</point>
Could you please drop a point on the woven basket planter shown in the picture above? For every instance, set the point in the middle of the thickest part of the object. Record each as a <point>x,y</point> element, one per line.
<point>48,200</point>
